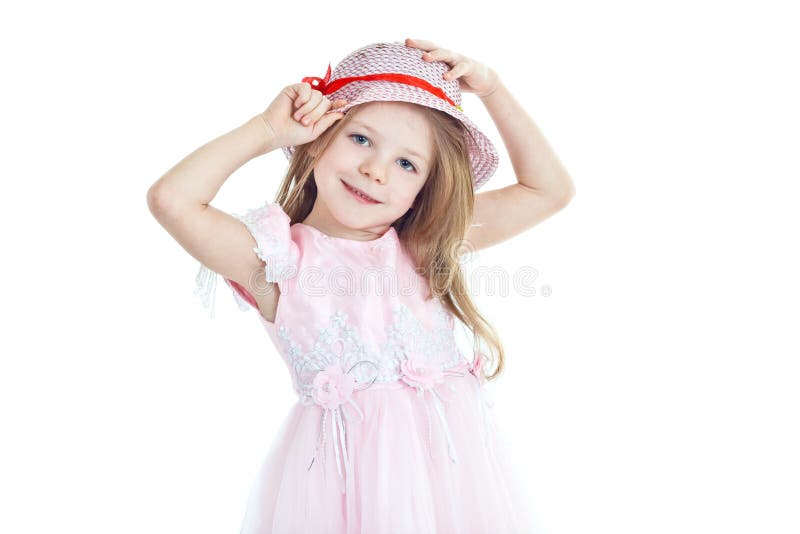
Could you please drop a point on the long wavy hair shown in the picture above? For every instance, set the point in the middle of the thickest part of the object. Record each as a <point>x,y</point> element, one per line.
<point>432,231</point>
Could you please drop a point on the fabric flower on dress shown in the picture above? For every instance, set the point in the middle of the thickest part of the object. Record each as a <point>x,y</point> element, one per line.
<point>419,373</point>
<point>332,387</point>
<point>477,367</point>
<point>424,375</point>
<point>329,376</point>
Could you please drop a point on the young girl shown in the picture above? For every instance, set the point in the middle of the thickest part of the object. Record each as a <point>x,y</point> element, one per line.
<point>354,271</point>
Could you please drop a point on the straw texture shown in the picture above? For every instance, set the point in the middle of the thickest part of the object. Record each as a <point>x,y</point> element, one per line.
<point>392,71</point>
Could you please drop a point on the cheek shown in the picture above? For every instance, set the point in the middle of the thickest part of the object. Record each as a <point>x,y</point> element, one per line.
<point>325,173</point>
<point>404,197</point>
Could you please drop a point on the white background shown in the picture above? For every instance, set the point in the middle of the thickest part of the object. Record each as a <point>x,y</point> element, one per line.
<point>655,391</point>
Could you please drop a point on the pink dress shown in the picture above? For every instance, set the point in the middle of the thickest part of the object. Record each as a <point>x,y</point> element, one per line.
<point>392,431</point>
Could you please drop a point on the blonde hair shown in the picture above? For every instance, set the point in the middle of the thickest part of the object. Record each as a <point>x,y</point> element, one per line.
<point>432,231</point>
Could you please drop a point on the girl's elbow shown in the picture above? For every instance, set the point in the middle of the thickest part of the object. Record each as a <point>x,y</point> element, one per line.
<point>564,197</point>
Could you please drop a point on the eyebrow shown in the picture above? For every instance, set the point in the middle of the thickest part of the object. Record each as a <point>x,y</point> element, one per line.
<point>410,151</point>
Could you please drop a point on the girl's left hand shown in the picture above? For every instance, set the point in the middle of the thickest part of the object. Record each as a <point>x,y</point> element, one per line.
<point>472,76</point>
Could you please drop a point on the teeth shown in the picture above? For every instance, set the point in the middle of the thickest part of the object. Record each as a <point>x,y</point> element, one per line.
<point>359,193</point>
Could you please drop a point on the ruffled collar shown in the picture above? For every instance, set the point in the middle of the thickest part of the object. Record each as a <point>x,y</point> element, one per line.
<point>389,237</point>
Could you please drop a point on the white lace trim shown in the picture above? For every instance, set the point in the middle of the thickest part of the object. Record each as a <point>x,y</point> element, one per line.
<point>206,287</point>
<point>340,342</point>
<point>275,251</point>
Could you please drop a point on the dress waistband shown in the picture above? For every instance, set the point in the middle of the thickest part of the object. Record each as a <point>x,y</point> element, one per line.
<point>332,388</point>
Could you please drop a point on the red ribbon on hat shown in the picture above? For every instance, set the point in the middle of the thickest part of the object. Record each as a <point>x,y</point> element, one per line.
<point>321,83</point>
<point>323,86</point>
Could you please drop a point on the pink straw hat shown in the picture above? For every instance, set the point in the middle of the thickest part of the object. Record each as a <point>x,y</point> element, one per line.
<point>392,71</point>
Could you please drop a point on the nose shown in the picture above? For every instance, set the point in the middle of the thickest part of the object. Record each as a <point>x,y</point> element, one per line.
<point>373,170</point>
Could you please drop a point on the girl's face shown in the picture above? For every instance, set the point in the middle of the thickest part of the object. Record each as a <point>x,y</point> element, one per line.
<point>385,151</point>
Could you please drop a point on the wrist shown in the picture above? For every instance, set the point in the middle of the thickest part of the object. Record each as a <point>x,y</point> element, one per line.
<point>494,88</point>
<point>264,133</point>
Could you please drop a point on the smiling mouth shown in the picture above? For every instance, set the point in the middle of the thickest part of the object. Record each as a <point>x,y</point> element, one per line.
<point>360,193</point>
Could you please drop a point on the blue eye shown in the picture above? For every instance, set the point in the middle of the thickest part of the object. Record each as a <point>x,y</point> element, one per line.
<point>412,165</point>
<point>358,135</point>
<point>413,168</point>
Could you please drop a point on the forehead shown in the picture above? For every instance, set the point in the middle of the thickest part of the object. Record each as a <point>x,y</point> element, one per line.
<point>381,111</point>
<point>402,123</point>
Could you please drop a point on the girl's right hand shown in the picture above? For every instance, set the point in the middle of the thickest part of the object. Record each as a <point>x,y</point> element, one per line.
<point>298,102</point>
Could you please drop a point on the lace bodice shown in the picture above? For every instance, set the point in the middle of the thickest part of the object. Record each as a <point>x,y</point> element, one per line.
<point>358,305</point>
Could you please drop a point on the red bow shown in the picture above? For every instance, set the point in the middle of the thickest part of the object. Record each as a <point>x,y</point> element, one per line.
<point>321,83</point>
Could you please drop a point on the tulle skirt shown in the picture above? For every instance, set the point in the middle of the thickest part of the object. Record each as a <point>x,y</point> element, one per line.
<point>416,463</point>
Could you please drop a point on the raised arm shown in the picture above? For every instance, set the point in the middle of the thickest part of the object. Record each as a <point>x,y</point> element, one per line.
<point>197,178</point>
<point>543,185</point>
<point>179,201</point>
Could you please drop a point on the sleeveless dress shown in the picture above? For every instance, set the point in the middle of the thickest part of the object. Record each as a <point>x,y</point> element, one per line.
<point>392,431</point>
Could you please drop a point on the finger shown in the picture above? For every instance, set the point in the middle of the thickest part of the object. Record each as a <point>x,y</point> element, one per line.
<point>338,103</point>
<point>303,93</point>
<point>456,72</point>
<point>420,43</point>
<point>440,54</point>
<point>313,101</point>
<point>327,120</point>
<point>313,116</point>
